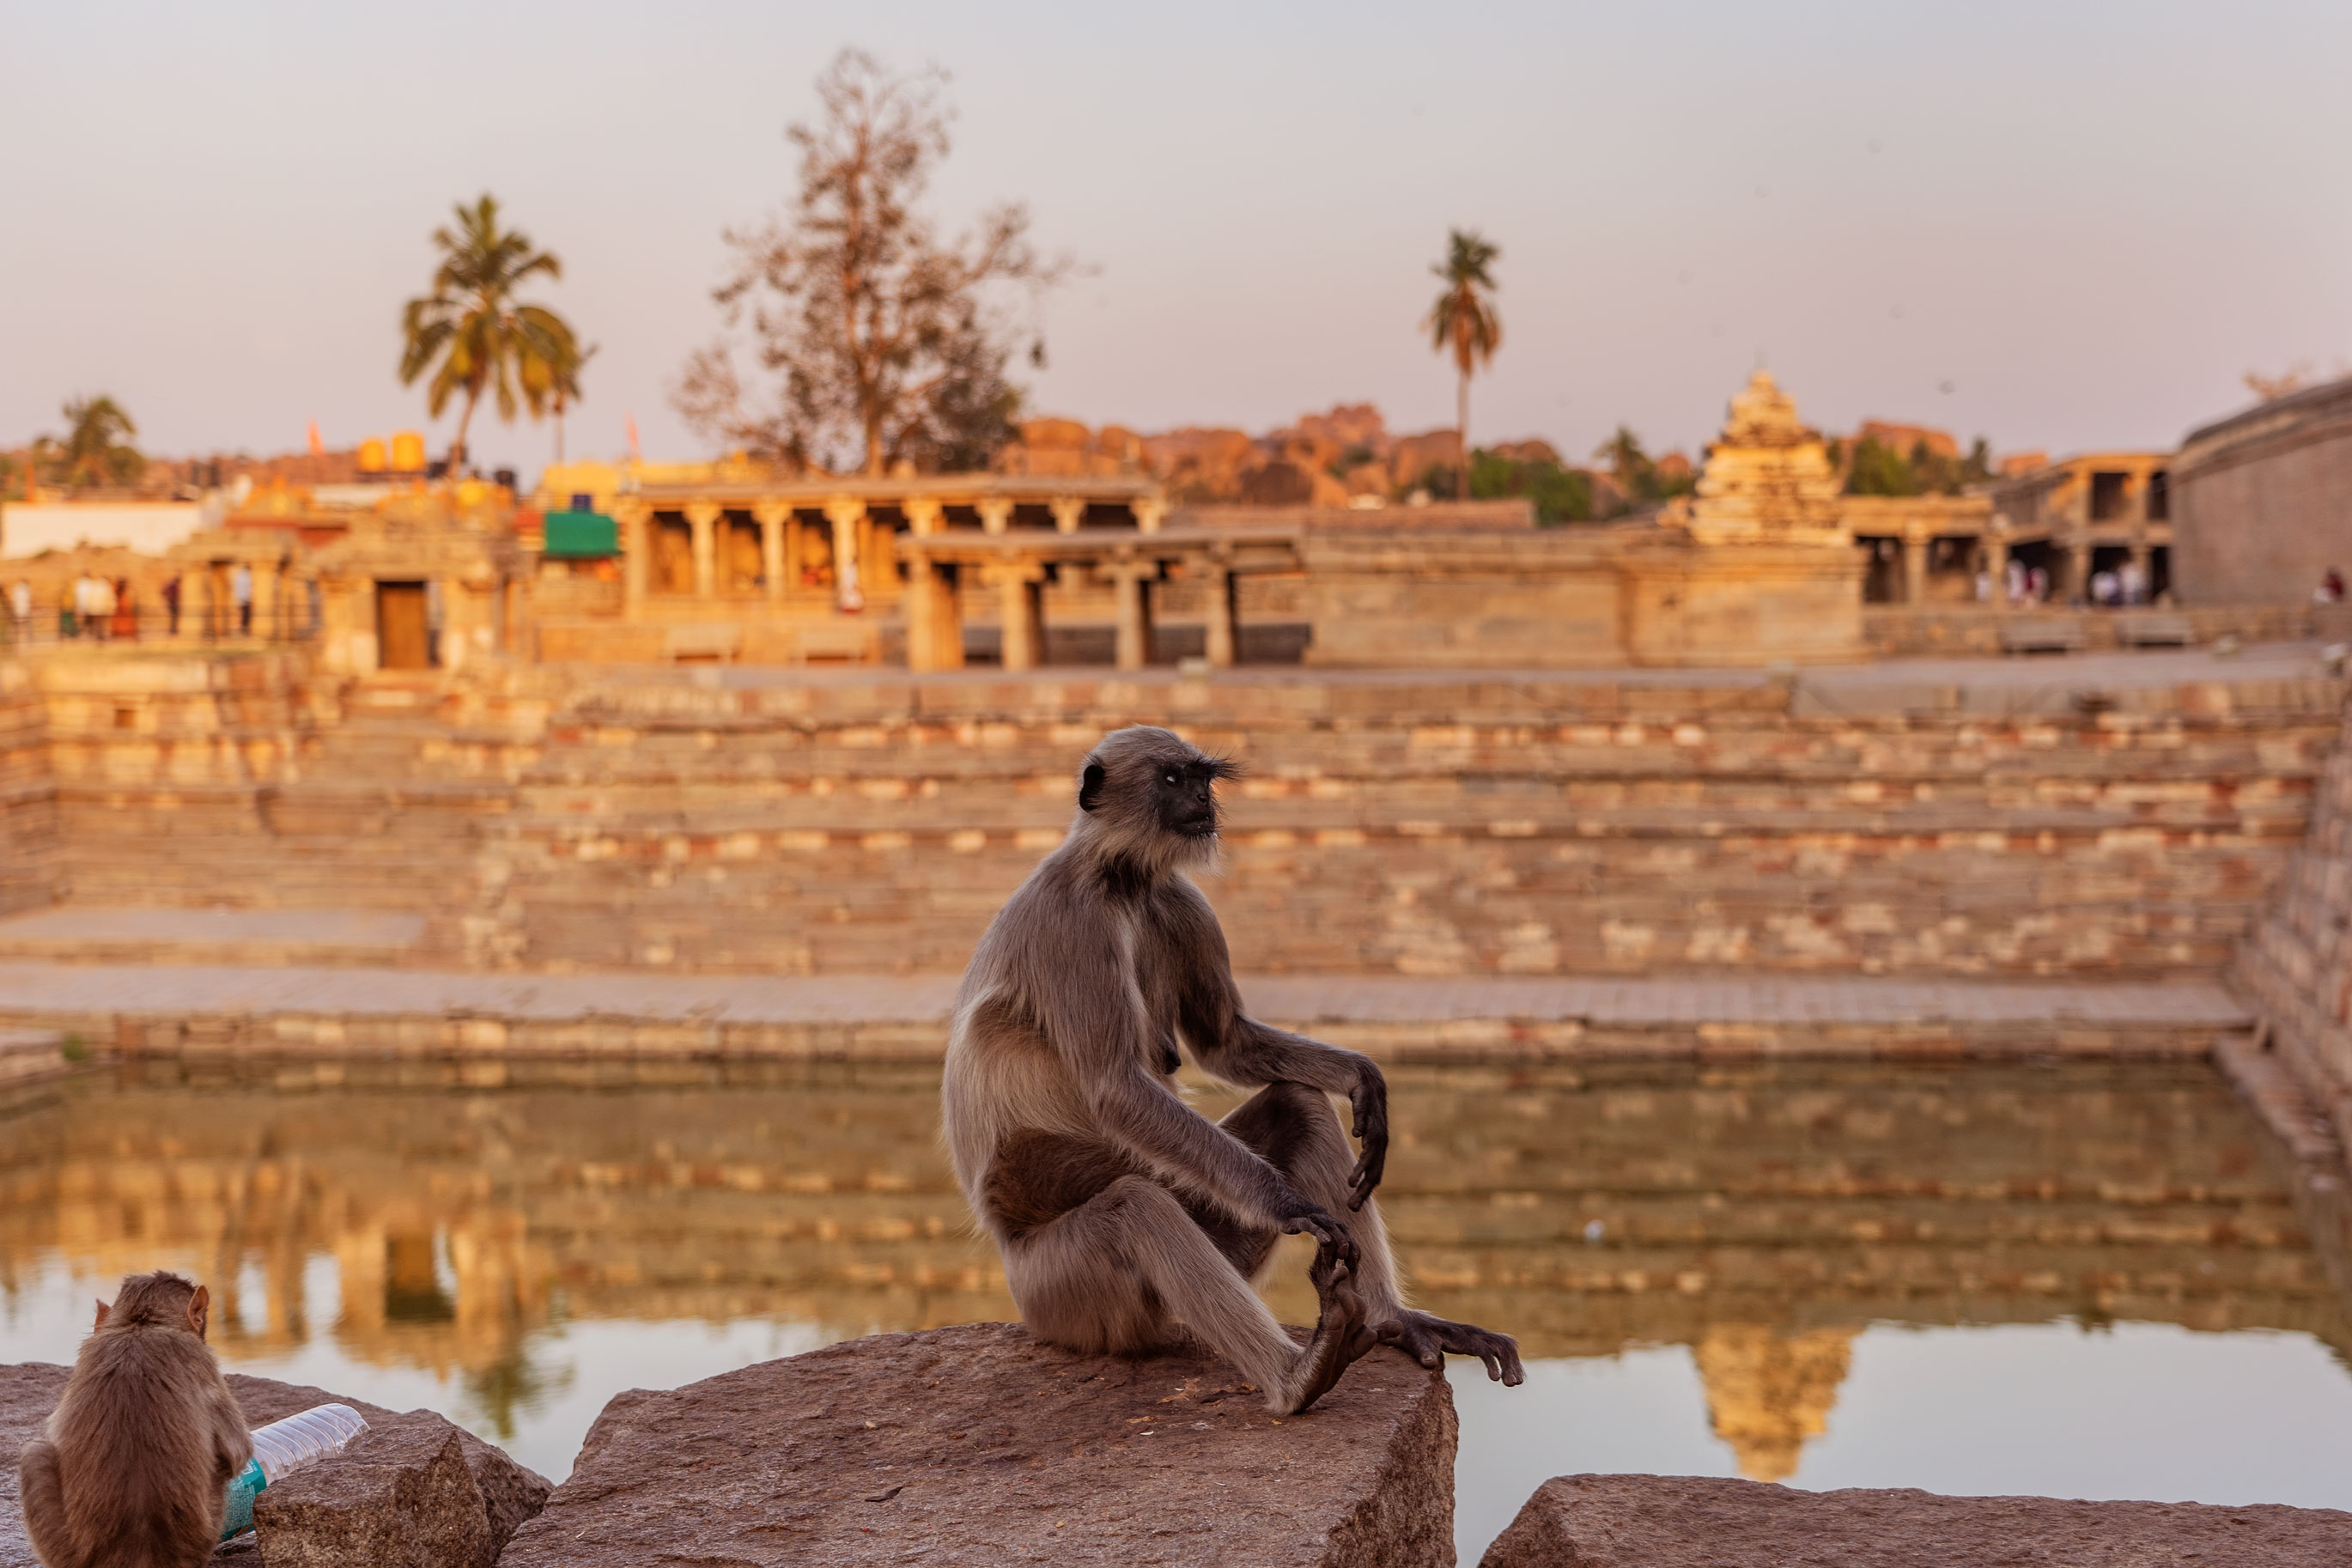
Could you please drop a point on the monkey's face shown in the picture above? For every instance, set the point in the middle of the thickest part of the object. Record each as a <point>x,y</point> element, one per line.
<point>1184,796</point>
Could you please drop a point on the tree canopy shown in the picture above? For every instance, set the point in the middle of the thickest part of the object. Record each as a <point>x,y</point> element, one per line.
<point>96,449</point>
<point>476,336</point>
<point>1640,479</point>
<point>879,333</point>
<point>1873,467</point>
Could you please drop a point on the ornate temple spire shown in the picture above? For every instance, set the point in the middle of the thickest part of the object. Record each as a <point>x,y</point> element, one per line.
<point>1768,479</point>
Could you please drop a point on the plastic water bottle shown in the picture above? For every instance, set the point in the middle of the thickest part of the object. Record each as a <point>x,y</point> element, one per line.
<point>283,1447</point>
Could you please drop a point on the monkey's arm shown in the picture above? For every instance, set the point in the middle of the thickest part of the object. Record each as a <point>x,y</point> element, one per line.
<point>1091,1014</point>
<point>1233,1045</point>
<point>232,1438</point>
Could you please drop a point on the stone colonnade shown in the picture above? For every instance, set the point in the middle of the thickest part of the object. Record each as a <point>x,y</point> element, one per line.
<point>1016,564</point>
<point>848,511</point>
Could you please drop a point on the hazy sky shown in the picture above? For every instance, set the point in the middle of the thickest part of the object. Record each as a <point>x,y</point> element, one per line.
<point>2059,223</point>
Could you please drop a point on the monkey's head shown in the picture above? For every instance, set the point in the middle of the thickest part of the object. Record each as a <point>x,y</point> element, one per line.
<point>161,1298</point>
<point>1149,795</point>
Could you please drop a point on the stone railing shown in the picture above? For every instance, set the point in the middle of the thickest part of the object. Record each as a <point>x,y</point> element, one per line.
<point>2296,965</point>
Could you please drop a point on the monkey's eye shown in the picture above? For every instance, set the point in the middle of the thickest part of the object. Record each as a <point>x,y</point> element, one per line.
<point>1173,779</point>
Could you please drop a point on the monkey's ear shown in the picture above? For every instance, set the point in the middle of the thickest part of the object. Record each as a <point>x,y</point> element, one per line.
<point>1090,786</point>
<point>103,1311</point>
<point>200,1309</point>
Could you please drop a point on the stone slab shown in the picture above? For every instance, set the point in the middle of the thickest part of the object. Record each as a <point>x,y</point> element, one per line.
<point>977,1445</point>
<point>1689,1521</point>
<point>349,1495</point>
<point>397,1498</point>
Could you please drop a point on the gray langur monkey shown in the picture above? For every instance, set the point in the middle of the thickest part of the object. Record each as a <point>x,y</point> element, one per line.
<point>133,1468</point>
<point>1121,1212</point>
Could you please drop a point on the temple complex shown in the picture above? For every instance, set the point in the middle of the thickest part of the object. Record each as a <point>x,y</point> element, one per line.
<point>1096,563</point>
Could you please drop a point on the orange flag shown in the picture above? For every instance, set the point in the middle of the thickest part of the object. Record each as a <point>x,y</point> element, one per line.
<point>318,448</point>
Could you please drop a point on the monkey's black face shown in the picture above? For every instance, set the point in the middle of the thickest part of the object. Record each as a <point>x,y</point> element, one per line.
<point>1185,798</point>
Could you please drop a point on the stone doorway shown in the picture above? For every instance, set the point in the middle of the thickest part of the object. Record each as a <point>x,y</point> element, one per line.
<point>402,630</point>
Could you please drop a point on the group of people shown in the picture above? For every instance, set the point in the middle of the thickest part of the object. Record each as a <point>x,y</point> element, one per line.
<point>94,608</point>
<point>2118,588</point>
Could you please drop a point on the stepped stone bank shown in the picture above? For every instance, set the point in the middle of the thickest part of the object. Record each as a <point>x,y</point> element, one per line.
<point>2100,818</point>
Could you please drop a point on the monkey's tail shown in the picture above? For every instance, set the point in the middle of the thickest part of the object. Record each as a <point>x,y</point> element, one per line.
<point>42,1495</point>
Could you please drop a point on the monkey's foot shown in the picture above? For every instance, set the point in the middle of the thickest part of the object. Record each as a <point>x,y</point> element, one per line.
<point>1430,1340</point>
<point>1341,1336</point>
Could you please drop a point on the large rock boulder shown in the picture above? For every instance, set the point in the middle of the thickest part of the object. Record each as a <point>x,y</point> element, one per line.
<point>1691,1521</point>
<point>978,1445</point>
<point>415,1489</point>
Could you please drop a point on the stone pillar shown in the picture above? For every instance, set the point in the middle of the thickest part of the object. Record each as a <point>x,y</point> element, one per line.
<point>265,601</point>
<point>2077,585</point>
<point>771,516</point>
<point>1149,511</point>
<point>845,513</point>
<point>1133,580</point>
<point>996,513</point>
<point>934,619</point>
<point>1069,511</point>
<point>703,517</point>
<point>1995,550</point>
<point>1915,571</point>
<point>1218,624</point>
<point>925,516</point>
<point>1021,612</point>
<point>637,549</point>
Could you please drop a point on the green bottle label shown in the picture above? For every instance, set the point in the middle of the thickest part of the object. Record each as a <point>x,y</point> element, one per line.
<point>242,1491</point>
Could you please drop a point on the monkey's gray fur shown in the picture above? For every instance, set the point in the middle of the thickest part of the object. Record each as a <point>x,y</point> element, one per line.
<point>134,1467</point>
<point>1122,1213</point>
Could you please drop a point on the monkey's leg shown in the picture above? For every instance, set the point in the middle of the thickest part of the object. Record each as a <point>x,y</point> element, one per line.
<point>1109,1274</point>
<point>1296,1130</point>
<point>42,1495</point>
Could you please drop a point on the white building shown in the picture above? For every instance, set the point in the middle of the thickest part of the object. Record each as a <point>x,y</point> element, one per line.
<point>147,528</point>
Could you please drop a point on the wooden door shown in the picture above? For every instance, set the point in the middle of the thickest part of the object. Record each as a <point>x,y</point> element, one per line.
<point>402,639</point>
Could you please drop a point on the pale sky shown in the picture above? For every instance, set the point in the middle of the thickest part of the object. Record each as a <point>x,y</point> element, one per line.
<point>2064,225</point>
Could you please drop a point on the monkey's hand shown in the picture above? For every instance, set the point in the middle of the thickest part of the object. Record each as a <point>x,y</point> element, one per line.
<point>1430,1340</point>
<point>1370,1101</point>
<point>1296,1217</point>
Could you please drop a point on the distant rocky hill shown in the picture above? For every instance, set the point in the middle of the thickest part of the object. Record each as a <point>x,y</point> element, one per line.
<point>1344,456</point>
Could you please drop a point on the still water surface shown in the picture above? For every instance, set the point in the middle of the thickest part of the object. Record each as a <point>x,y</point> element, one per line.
<point>2087,1280</point>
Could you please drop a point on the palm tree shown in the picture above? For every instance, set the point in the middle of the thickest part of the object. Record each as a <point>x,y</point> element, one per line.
<point>96,449</point>
<point>1464,319</point>
<point>471,323</point>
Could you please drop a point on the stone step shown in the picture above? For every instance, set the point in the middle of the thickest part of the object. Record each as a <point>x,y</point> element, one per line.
<point>27,1055</point>
<point>300,1010</point>
<point>88,933</point>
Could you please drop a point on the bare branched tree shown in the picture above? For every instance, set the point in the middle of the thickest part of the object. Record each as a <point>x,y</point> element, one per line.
<point>882,333</point>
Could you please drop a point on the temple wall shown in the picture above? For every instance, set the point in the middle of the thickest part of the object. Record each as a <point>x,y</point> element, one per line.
<point>1521,601</point>
<point>2259,502</point>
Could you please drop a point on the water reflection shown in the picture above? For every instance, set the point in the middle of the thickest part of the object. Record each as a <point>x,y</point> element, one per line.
<point>517,1247</point>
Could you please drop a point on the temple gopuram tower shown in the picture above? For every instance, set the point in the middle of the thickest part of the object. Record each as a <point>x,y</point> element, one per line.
<point>1759,567</point>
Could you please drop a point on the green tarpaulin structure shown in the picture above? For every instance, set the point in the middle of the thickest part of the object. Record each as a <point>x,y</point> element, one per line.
<point>577,533</point>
